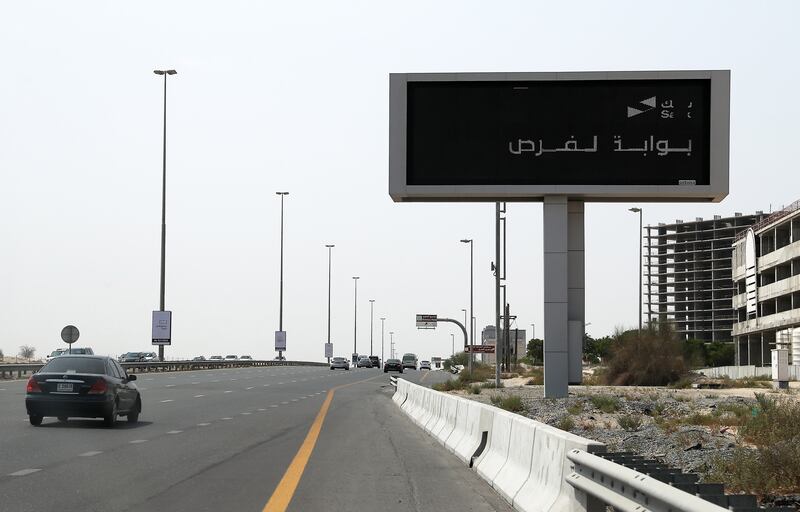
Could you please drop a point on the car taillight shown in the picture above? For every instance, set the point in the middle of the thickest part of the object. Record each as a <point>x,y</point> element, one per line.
<point>33,386</point>
<point>99,387</point>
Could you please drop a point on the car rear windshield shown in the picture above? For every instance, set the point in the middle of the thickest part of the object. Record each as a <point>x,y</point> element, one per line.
<point>66,364</point>
<point>339,359</point>
<point>392,360</point>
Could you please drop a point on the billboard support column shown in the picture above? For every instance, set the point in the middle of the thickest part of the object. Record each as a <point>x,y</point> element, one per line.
<point>556,347</point>
<point>576,288</point>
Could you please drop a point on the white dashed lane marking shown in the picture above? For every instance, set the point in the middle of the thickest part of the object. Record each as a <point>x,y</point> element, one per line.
<point>203,424</point>
<point>165,401</point>
<point>226,418</point>
<point>229,391</point>
<point>137,441</point>
<point>270,406</point>
<point>174,431</point>
<point>170,386</point>
<point>199,396</point>
<point>262,410</point>
<point>24,472</point>
<point>251,387</point>
<point>246,413</point>
<point>90,454</point>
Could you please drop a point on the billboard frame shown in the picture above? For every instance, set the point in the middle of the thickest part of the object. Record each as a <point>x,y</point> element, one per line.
<point>719,144</point>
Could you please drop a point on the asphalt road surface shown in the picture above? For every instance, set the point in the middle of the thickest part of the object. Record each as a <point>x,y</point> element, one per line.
<point>253,439</point>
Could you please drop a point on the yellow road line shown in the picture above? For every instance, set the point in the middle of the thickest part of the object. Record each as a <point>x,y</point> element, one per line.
<point>425,376</point>
<point>282,496</point>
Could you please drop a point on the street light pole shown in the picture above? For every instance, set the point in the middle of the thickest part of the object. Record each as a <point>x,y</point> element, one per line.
<point>165,73</point>
<point>471,309</point>
<point>383,318</point>
<point>329,246</point>
<point>355,318</point>
<point>391,344</point>
<point>280,315</point>
<point>639,211</point>
<point>452,344</point>
<point>371,316</point>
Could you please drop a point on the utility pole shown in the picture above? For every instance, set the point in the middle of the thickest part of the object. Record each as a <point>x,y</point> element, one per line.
<point>639,211</point>
<point>355,319</point>
<point>329,246</point>
<point>383,318</point>
<point>371,316</point>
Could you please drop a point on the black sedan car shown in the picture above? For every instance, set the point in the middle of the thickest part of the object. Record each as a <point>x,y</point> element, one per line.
<point>84,387</point>
<point>392,364</point>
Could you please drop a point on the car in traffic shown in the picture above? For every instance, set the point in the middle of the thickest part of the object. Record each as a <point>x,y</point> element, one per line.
<point>376,361</point>
<point>364,362</point>
<point>149,356</point>
<point>231,357</point>
<point>341,363</point>
<point>245,358</point>
<point>199,358</point>
<point>424,365</point>
<point>410,361</point>
<point>216,358</point>
<point>82,386</point>
<point>131,357</point>
<point>57,352</point>
<point>394,365</point>
<point>78,351</point>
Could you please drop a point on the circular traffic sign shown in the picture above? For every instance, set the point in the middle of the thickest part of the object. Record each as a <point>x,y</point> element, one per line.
<point>70,334</point>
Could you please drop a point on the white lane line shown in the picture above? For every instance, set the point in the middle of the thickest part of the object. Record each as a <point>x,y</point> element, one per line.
<point>195,383</point>
<point>280,383</point>
<point>246,413</point>
<point>203,424</point>
<point>233,379</point>
<point>137,441</point>
<point>149,379</point>
<point>229,391</point>
<point>294,399</point>
<point>174,431</point>
<point>262,410</point>
<point>2,389</point>
<point>199,396</point>
<point>266,385</point>
<point>226,418</point>
<point>165,401</point>
<point>270,406</point>
<point>24,472</point>
<point>170,386</point>
<point>215,381</point>
<point>284,403</point>
<point>251,387</point>
<point>90,454</point>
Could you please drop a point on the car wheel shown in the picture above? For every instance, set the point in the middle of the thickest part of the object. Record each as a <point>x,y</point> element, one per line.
<point>110,419</point>
<point>385,371</point>
<point>35,419</point>
<point>62,419</point>
<point>133,416</point>
<point>348,369</point>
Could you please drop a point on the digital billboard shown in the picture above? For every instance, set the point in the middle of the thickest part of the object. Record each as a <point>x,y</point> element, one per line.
<point>596,136</point>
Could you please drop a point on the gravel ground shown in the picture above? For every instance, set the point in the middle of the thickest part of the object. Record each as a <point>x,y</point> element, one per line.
<point>660,435</point>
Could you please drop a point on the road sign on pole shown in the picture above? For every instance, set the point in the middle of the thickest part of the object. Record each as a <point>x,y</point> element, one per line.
<point>280,340</point>
<point>162,327</point>
<point>70,335</point>
<point>480,349</point>
<point>426,321</point>
<point>329,350</point>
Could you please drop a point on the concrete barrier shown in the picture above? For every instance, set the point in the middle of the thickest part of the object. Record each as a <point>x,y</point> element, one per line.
<point>496,453</point>
<point>524,460</point>
<point>401,392</point>
<point>460,427</point>
<point>444,428</point>
<point>515,472</point>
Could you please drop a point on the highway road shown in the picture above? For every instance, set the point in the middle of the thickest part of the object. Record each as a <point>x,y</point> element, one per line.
<point>251,439</point>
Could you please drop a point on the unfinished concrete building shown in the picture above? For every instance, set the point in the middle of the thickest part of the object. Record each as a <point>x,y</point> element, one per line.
<point>688,278</point>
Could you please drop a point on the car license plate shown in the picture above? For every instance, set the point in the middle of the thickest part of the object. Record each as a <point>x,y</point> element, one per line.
<point>64,387</point>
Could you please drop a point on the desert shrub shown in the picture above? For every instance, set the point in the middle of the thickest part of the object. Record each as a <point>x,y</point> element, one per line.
<point>536,376</point>
<point>479,373</point>
<point>575,408</point>
<point>605,403</point>
<point>448,385</point>
<point>720,354</point>
<point>747,382</point>
<point>652,357</point>
<point>475,389</point>
<point>565,423</point>
<point>535,350</point>
<point>630,422</point>
<point>511,403</point>
<point>492,385</point>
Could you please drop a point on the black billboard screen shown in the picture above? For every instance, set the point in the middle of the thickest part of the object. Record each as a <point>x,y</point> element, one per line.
<point>582,132</point>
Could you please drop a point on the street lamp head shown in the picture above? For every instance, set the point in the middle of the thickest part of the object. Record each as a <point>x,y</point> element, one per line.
<point>164,72</point>
<point>158,72</point>
<point>383,318</point>
<point>172,72</point>
<point>282,193</point>
<point>634,210</point>
<point>372,300</point>
<point>467,240</point>
<point>356,277</point>
<point>329,245</point>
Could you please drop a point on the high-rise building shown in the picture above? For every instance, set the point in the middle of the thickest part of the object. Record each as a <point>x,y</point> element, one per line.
<point>687,275</point>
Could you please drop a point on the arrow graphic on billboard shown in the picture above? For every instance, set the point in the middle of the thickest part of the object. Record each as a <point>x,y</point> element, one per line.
<point>643,106</point>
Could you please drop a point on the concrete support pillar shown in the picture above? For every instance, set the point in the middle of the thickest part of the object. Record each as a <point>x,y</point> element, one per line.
<point>576,289</point>
<point>556,342</point>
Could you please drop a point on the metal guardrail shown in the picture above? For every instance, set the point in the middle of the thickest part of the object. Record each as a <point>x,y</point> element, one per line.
<point>633,483</point>
<point>8,370</point>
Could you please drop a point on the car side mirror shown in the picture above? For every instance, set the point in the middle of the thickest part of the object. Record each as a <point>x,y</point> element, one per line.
<point>131,377</point>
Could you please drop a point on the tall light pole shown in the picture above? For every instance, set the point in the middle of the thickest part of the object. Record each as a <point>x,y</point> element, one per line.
<point>355,318</point>
<point>471,310</point>
<point>165,73</point>
<point>533,331</point>
<point>391,344</point>
<point>280,315</point>
<point>452,344</point>
<point>383,319</point>
<point>329,246</point>
<point>639,211</point>
<point>371,317</point>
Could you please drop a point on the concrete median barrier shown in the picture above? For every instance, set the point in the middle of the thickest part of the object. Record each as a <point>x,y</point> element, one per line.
<point>515,472</point>
<point>496,453</point>
<point>447,423</point>
<point>460,427</point>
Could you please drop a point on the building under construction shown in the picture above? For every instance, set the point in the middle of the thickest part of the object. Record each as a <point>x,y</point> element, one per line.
<point>688,275</point>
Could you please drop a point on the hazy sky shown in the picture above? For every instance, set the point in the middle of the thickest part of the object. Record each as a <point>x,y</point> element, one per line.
<point>294,96</point>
